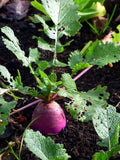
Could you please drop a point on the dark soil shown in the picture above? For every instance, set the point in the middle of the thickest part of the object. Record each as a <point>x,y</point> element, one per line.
<point>78,138</point>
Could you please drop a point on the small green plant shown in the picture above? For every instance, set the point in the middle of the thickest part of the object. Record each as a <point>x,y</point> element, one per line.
<point>89,9</point>
<point>104,28</point>
<point>86,9</point>
<point>63,15</point>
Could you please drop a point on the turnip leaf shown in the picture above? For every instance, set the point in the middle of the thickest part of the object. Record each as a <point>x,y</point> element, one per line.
<point>83,104</point>
<point>101,54</point>
<point>76,62</point>
<point>12,44</point>
<point>49,31</point>
<point>7,76</point>
<point>5,108</point>
<point>64,16</point>
<point>44,45</point>
<point>34,55</point>
<point>44,147</point>
<point>106,155</point>
<point>108,133</point>
<point>106,123</point>
<point>68,82</point>
<point>38,6</point>
<point>53,77</point>
<point>98,54</point>
<point>100,156</point>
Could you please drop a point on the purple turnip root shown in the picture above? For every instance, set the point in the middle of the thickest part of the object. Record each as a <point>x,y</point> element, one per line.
<point>51,118</point>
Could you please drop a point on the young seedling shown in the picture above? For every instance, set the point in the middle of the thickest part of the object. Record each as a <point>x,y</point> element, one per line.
<point>104,27</point>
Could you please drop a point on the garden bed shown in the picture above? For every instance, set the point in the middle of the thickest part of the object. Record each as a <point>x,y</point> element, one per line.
<point>79,138</point>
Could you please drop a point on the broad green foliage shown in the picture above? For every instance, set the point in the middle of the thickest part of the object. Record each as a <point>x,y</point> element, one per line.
<point>91,105</point>
<point>100,156</point>
<point>47,84</point>
<point>68,82</point>
<point>101,54</point>
<point>5,109</point>
<point>106,123</point>
<point>90,8</point>
<point>65,19</point>
<point>44,147</point>
<point>83,104</point>
<point>64,16</point>
<point>98,54</point>
<point>106,155</point>
<point>76,62</point>
<point>12,44</point>
<point>7,78</point>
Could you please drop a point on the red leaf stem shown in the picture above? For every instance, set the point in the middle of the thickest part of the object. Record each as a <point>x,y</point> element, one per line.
<point>76,78</point>
<point>26,106</point>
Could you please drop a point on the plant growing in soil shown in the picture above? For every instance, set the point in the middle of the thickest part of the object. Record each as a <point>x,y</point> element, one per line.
<point>105,22</point>
<point>83,106</point>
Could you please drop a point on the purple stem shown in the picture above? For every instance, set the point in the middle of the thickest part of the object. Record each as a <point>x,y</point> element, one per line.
<point>82,73</point>
<point>24,107</point>
<point>39,100</point>
<point>77,77</point>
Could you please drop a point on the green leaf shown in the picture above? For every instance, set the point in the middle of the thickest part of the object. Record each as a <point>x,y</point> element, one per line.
<point>106,156</point>
<point>79,67</point>
<point>5,108</point>
<point>98,54</point>
<point>84,4</point>
<point>49,31</point>
<point>34,55</point>
<point>10,34</point>
<point>57,63</point>
<point>116,36</point>
<point>64,16</point>
<point>113,151</point>
<point>12,44</point>
<point>48,84</point>
<point>44,45</point>
<point>68,82</point>
<point>42,65</point>
<point>50,47</point>
<point>105,122</point>
<point>100,156</point>
<point>53,77</point>
<point>44,147</point>
<point>75,58</point>
<point>18,80</point>
<point>84,104</point>
<point>101,54</point>
<point>76,62</point>
<point>5,73</point>
<point>38,6</point>
<point>33,92</point>
<point>90,8</point>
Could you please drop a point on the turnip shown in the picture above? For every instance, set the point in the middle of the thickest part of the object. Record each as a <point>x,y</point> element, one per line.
<point>51,118</point>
